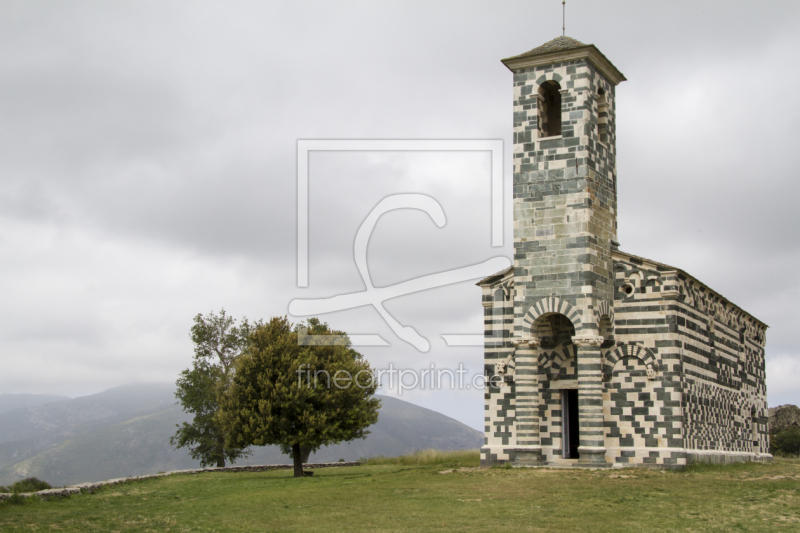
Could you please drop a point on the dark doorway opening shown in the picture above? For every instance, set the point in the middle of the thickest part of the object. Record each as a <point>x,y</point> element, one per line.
<point>570,436</point>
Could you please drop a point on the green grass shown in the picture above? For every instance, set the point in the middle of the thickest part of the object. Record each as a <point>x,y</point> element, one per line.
<point>415,495</point>
<point>430,457</point>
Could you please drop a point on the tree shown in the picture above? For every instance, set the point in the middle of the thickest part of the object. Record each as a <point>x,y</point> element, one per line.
<point>218,341</point>
<point>29,484</point>
<point>786,441</point>
<point>299,396</point>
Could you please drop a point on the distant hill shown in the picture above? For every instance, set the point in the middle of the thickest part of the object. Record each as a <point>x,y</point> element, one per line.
<point>125,431</point>
<point>9,402</point>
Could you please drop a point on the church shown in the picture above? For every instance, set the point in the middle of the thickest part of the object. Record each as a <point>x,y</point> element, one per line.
<point>597,357</point>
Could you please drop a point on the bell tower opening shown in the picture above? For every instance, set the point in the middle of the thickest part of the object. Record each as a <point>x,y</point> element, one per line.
<point>550,108</point>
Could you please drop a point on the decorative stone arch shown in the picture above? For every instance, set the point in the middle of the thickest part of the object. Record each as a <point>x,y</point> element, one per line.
<point>604,317</point>
<point>653,281</point>
<point>552,304</point>
<point>631,349</point>
<point>549,76</point>
<point>604,308</point>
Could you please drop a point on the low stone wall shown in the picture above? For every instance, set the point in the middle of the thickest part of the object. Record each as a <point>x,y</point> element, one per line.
<point>92,486</point>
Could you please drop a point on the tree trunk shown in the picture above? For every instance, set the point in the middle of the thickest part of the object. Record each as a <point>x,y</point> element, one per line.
<point>221,451</point>
<point>298,460</point>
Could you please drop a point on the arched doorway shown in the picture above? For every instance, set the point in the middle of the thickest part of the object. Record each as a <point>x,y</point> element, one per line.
<point>558,385</point>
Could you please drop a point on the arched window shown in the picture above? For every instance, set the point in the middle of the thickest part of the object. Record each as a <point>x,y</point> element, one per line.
<point>550,109</point>
<point>602,116</point>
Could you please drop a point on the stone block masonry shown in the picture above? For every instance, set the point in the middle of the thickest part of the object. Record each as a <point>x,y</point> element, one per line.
<point>604,358</point>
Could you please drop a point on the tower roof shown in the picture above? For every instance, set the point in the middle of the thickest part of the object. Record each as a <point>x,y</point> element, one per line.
<point>556,45</point>
<point>565,49</point>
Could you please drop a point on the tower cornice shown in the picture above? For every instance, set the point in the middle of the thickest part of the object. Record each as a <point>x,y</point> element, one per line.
<point>588,51</point>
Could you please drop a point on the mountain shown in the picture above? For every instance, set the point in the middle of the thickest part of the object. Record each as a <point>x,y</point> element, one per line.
<point>9,402</point>
<point>28,431</point>
<point>57,421</point>
<point>125,431</point>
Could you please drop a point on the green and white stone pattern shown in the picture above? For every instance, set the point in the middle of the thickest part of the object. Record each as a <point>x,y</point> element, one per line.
<point>668,372</point>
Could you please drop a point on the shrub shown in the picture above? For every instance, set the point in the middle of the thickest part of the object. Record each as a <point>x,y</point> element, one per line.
<point>17,499</point>
<point>30,484</point>
<point>786,442</point>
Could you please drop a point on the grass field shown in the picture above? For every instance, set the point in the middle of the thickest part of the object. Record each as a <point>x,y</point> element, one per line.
<point>435,492</point>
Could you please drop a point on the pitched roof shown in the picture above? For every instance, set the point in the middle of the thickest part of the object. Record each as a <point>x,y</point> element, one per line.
<point>496,276</point>
<point>558,44</point>
<point>565,49</point>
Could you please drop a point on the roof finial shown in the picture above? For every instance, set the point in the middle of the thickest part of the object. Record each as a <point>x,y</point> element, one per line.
<point>563,18</point>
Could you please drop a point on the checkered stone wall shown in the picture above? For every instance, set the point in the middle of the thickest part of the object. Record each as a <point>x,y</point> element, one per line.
<point>642,417</point>
<point>500,435</point>
<point>668,372</point>
<point>499,402</point>
<point>642,413</point>
<point>725,398</point>
<point>704,355</point>
<point>710,361</point>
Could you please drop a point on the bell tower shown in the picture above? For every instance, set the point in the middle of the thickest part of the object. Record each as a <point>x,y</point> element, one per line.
<point>565,227</point>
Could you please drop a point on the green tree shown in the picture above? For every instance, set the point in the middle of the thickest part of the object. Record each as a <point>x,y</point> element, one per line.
<point>299,394</point>
<point>218,341</point>
<point>786,441</point>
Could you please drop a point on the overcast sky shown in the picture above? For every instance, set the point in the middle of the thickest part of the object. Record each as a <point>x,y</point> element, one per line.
<point>148,168</point>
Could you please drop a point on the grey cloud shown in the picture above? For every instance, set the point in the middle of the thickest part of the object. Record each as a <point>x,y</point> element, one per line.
<point>163,138</point>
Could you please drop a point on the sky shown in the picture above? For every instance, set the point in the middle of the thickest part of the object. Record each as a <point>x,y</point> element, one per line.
<point>148,169</point>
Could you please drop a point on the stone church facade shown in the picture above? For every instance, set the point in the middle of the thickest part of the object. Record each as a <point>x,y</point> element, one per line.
<point>597,357</point>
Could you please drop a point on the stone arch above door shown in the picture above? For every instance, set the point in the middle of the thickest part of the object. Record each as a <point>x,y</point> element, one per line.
<point>630,349</point>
